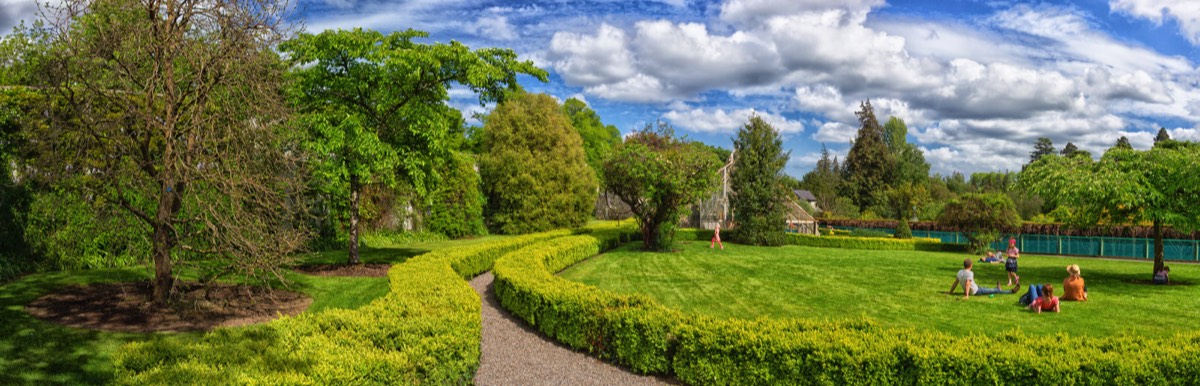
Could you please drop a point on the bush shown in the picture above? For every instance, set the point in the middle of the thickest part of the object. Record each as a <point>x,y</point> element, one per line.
<point>456,208</point>
<point>860,232</point>
<point>903,231</point>
<point>874,243</point>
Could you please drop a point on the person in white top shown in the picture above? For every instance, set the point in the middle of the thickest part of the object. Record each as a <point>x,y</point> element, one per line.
<point>967,278</point>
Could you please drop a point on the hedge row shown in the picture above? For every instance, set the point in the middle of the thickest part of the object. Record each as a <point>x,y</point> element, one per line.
<point>649,338</point>
<point>874,243</point>
<point>425,330</point>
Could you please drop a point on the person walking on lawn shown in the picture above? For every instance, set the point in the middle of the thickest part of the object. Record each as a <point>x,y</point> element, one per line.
<point>716,240</point>
<point>967,278</point>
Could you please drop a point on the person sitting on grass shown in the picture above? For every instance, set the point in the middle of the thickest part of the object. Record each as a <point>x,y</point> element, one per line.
<point>992,257</point>
<point>967,278</point>
<point>1046,302</point>
<point>1161,277</point>
<point>1073,287</point>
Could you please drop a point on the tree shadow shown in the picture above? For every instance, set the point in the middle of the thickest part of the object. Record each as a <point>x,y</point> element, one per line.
<point>36,352</point>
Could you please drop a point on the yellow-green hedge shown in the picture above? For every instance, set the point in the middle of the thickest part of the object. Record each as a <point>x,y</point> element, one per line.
<point>426,330</point>
<point>874,243</point>
<point>649,338</point>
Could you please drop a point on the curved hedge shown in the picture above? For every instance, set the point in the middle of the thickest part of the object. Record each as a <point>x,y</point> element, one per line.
<point>425,330</point>
<point>637,332</point>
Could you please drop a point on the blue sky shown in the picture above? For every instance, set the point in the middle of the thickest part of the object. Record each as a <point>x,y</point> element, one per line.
<point>977,81</point>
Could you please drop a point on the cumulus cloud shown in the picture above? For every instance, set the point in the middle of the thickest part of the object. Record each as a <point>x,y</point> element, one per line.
<point>751,11</point>
<point>834,132</point>
<point>721,121</point>
<point>495,27</point>
<point>1185,13</point>
<point>593,60</point>
<point>13,11</point>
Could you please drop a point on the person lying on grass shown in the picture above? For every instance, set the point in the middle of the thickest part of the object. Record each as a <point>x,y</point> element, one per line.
<point>992,257</point>
<point>967,278</point>
<point>1046,302</point>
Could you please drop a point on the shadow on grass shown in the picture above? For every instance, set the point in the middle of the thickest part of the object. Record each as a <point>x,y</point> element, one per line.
<point>36,352</point>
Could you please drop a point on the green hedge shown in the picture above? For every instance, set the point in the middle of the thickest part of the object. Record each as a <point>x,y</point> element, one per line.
<point>874,243</point>
<point>425,330</point>
<point>639,333</point>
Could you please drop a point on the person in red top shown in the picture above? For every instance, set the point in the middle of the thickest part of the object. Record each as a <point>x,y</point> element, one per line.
<point>1047,302</point>
<point>716,240</point>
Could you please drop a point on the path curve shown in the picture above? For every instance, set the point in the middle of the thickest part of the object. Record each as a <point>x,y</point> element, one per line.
<point>513,353</point>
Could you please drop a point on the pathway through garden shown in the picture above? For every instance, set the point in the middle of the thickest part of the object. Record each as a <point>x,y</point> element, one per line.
<point>516,354</point>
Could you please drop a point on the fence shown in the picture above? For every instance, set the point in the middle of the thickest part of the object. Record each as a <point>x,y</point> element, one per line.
<point>1135,248</point>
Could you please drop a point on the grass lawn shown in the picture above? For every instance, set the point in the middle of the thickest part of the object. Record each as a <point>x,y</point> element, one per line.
<point>898,288</point>
<point>36,352</point>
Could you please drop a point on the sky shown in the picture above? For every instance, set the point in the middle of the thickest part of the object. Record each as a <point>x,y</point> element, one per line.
<point>976,81</point>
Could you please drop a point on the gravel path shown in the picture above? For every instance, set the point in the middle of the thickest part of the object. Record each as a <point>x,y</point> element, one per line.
<point>514,353</point>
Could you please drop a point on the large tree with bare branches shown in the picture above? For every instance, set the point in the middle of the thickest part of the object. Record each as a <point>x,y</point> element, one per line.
<point>172,110</point>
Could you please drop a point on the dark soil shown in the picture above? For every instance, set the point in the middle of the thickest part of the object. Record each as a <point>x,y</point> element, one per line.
<point>128,307</point>
<point>370,270</point>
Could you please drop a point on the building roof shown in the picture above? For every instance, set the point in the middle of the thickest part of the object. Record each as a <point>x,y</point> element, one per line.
<point>805,195</point>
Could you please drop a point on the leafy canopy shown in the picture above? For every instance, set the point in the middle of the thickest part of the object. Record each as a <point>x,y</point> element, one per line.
<point>659,175</point>
<point>982,217</point>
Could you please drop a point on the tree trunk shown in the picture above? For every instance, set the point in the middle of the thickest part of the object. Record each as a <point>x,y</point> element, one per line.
<point>1158,247</point>
<point>355,192</point>
<point>164,242</point>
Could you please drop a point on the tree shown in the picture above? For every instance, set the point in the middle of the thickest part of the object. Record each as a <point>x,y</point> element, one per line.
<point>534,172</point>
<point>757,181</point>
<point>869,166</point>
<point>598,138</point>
<point>1158,186</point>
<point>659,175</point>
<point>910,161</point>
<point>1162,135</point>
<point>375,106</point>
<point>1042,147</point>
<point>823,181</point>
<point>1069,149</point>
<point>904,200</point>
<point>172,112</point>
<point>982,217</point>
<point>456,209</point>
<point>1123,143</point>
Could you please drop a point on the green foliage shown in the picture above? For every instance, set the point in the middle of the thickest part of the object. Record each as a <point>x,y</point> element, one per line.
<point>1124,187</point>
<point>861,232</point>
<point>598,138</point>
<point>534,171</point>
<point>69,231</point>
<point>903,200</point>
<point>910,161</point>
<point>1162,135</point>
<point>757,180</point>
<point>902,230</point>
<point>1123,143</point>
<point>843,207</point>
<point>982,217</point>
<point>375,107</point>
<point>870,165</point>
<point>456,208</point>
<point>1043,147</point>
<point>658,175</point>
<point>823,181</point>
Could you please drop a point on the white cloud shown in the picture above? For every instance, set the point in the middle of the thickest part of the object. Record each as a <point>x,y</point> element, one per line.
<point>719,121</point>
<point>752,11</point>
<point>593,60</point>
<point>495,27</point>
<point>1185,12</point>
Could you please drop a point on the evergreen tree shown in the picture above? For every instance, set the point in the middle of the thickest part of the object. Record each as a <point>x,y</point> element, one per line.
<point>869,166</point>
<point>1041,148</point>
<point>757,180</point>
<point>1162,135</point>
<point>456,208</point>
<point>534,171</point>
<point>1123,143</point>
<point>823,181</point>
<point>1069,149</point>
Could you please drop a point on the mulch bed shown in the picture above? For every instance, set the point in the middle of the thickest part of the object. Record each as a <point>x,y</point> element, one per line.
<point>368,270</point>
<point>128,307</point>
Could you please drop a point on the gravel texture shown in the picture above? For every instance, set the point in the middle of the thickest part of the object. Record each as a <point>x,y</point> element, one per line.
<point>514,353</point>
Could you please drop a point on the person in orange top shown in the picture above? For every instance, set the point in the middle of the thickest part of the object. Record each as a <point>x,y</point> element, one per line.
<point>1073,287</point>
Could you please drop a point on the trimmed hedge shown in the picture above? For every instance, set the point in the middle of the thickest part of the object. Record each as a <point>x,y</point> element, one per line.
<point>649,338</point>
<point>874,243</point>
<point>425,330</point>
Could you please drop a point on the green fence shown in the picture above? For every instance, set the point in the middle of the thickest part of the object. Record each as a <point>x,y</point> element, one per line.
<point>1173,249</point>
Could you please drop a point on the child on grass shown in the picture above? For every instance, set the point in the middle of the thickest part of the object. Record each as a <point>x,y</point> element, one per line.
<point>1010,265</point>
<point>1046,302</point>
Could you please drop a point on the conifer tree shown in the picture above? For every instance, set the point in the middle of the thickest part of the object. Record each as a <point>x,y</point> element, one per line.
<point>869,166</point>
<point>757,180</point>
